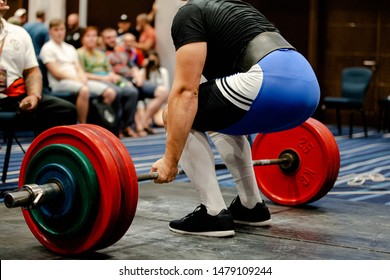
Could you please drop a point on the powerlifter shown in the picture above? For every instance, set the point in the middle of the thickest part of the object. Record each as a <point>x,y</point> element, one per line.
<point>256,83</point>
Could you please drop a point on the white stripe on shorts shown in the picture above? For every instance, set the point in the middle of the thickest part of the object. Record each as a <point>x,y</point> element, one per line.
<point>242,88</point>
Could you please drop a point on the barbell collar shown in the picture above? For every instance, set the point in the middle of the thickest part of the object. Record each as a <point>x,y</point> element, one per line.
<point>291,161</point>
<point>33,195</point>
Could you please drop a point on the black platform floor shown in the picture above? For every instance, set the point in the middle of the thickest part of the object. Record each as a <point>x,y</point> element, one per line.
<point>329,229</point>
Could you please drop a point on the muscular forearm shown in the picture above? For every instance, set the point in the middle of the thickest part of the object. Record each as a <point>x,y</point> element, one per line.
<point>182,107</point>
<point>183,99</point>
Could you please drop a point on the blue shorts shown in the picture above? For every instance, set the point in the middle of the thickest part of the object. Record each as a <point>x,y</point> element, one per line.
<point>288,96</point>
<point>278,93</point>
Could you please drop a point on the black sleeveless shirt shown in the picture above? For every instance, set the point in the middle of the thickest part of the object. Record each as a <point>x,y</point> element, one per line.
<point>226,25</point>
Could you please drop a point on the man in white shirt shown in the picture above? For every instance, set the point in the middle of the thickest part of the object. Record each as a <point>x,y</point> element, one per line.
<point>21,82</point>
<point>66,73</point>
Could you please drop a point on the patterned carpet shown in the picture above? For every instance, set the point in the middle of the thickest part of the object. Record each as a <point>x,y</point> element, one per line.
<point>364,172</point>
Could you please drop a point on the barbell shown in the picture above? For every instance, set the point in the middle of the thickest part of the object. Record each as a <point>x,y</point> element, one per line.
<point>33,195</point>
<point>78,187</point>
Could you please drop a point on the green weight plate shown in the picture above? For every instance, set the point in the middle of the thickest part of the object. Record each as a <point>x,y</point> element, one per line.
<point>46,166</point>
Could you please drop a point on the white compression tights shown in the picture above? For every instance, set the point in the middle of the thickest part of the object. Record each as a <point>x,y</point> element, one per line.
<point>197,161</point>
<point>236,153</point>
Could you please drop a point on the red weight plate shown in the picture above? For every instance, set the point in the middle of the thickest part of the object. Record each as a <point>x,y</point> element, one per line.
<point>110,189</point>
<point>331,142</point>
<point>304,184</point>
<point>334,150</point>
<point>129,184</point>
<point>119,172</point>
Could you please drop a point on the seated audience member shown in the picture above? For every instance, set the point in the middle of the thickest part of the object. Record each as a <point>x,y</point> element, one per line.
<point>38,31</point>
<point>158,75</point>
<point>73,30</point>
<point>98,68</point>
<point>136,56</point>
<point>21,83</point>
<point>125,26</point>
<point>66,74</point>
<point>147,39</point>
<point>122,65</point>
<point>21,14</point>
<point>153,71</point>
<point>14,20</point>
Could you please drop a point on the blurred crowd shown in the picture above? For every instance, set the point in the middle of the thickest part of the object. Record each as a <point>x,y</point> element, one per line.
<point>120,66</point>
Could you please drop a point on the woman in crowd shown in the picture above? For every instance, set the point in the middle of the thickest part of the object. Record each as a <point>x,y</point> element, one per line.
<point>97,67</point>
<point>158,75</point>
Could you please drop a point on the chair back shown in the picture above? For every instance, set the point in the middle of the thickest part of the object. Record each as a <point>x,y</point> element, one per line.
<point>355,82</point>
<point>7,120</point>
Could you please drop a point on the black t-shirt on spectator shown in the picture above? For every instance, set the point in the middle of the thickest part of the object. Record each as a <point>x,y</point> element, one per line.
<point>73,37</point>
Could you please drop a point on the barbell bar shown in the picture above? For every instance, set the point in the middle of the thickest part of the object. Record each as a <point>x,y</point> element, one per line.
<point>33,195</point>
<point>283,162</point>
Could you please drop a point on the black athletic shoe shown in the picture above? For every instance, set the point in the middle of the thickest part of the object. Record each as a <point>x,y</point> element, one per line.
<point>201,223</point>
<point>257,216</point>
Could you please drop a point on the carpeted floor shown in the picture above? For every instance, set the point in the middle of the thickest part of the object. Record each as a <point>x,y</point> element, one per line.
<point>364,172</point>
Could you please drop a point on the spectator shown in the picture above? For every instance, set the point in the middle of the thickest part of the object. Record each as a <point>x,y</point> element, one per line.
<point>158,75</point>
<point>73,30</point>
<point>38,31</point>
<point>153,71</point>
<point>123,66</point>
<point>97,67</point>
<point>14,20</point>
<point>66,73</point>
<point>124,26</point>
<point>22,15</point>
<point>135,54</point>
<point>22,83</point>
<point>147,38</point>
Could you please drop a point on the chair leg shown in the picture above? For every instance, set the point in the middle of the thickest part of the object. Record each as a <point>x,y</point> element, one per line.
<point>350,124</point>
<point>19,144</point>
<point>364,123</point>
<point>338,118</point>
<point>7,157</point>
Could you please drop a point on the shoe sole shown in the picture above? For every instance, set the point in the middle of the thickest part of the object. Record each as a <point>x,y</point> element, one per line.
<point>255,224</point>
<point>224,233</point>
